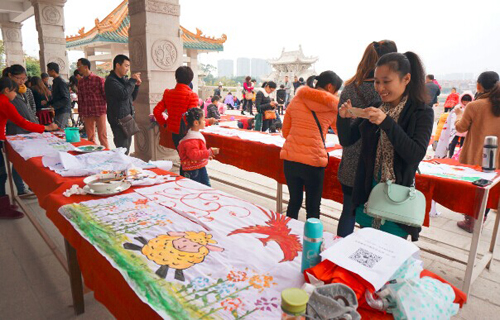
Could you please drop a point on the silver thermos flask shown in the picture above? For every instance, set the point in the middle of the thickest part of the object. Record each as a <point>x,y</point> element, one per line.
<point>490,153</point>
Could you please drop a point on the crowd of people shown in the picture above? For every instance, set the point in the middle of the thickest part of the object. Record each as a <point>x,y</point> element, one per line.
<point>383,117</point>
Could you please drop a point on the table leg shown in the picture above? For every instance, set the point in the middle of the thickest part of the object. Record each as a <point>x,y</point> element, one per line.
<point>75,278</point>
<point>9,175</point>
<point>279,198</point>
<point>494,237</point>
<point>478,226</point>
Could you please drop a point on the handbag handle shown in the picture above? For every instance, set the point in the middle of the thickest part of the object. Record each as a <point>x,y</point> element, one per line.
<point>411,193</point>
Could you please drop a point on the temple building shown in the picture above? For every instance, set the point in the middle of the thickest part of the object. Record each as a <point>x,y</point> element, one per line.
<point>292,63</point>
<point>110,37</point>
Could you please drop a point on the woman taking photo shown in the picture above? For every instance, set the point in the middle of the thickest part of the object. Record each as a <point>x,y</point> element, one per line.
<point>481,118</point>
<point>304,152</point>
<point>394,137</point>
<point>361,92</point>
<point>247,95</point>
<point>263,103</point>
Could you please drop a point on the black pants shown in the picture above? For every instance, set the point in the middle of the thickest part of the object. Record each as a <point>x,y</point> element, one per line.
<point>280,108</point>
<point>347,217</point>
<point>454,143</point>
<point>266,124</point>
<point>298,176</point>
<point>120,139</point>
<point>248,106</point>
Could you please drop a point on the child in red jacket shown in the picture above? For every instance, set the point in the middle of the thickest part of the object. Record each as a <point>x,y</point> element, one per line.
<point>193,150</point>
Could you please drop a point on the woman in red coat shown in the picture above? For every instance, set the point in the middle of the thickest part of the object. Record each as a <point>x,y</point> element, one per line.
<point>9,112</point>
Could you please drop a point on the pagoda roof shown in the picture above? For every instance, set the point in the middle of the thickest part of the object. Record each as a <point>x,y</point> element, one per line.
<point>293,57</point>
<point>114,29</point>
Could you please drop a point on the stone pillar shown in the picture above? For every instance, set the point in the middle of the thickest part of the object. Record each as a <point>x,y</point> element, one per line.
<point>89,52</point>
<point>13,43</point>
<point>155,49</point>
<point>193,64</point>
<point>49,17</point>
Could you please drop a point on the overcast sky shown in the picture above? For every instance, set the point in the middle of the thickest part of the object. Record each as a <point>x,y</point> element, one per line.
<point>450,36</point>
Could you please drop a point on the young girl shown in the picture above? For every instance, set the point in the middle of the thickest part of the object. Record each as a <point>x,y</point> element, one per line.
<point>193,150</point>
<point>8,93</point>
<point>394,136</point>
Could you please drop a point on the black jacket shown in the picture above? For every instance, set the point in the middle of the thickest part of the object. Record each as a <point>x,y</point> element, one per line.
<point>21,104</point>
<point>61,101</point>
<point>410,137</point>
<point>213,111</point>
<point>433,91</point>
<point>120,93</point>
<point>262,102</point>
<point>281,96</point>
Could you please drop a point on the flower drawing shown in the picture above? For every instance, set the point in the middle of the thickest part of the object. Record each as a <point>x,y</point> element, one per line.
<point>224,288</point>
<point>261,282</point>
<point>199,283</point>
<point>264,304</point>
<point>237,276</point>
<point>232,304</point>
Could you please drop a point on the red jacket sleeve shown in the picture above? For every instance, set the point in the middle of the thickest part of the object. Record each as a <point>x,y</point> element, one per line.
<point>159,109</point>
<point>10,113</point>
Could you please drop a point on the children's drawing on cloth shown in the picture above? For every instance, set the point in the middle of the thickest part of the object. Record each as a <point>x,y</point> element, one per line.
<point>276,229</point>
<point>176,250</point>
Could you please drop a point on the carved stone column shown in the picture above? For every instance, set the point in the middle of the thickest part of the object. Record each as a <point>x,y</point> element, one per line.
<point>13,43</point>
<point>155,49</point>
<point>49,17</point>
<point>193,64</point>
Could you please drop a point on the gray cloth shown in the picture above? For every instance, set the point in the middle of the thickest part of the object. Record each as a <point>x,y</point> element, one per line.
<point>21,104</point>
<point>433,91</point>
<point>120,94</point>
<point>333,301</point>
<point>350,154</point>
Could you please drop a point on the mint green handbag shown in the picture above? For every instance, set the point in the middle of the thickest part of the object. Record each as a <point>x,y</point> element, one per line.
<point>396,203</point>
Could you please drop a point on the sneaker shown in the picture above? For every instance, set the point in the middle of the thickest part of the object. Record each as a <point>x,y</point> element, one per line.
<point>7,211</point>
<point>27,193</point>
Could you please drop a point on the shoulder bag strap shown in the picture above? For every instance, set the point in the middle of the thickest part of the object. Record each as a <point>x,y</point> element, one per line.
<point>322,137</point>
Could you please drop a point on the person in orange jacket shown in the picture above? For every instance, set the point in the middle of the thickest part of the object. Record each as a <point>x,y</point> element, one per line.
<point>304,152</point>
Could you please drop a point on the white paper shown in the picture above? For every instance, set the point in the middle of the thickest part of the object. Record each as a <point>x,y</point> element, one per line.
<point>372,254</point>
<point>454,172</point>
<point>162,164</point>
<point>38,145</point>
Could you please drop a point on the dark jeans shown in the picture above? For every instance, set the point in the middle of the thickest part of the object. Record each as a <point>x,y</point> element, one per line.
<point>247,106</point>
<point>120,139</point>
<point>199,175</point>
<point>266,124</point>
<point>280,108</point>
<point>347,217</point>
<point>454,143</point>
<point>298,176</point>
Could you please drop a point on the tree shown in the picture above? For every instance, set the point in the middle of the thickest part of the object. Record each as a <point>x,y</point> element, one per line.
<point>2,55</point>
<point>32,66</point>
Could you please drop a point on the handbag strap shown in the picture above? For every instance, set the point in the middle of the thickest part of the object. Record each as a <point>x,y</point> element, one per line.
<point>411,193</point>
<point>321,132</point>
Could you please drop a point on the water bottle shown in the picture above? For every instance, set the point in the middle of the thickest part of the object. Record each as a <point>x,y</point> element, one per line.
<point>313,238</point>
<point>490,153</point>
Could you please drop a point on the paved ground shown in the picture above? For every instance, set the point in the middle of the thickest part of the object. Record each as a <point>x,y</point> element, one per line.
<point>34,285</point>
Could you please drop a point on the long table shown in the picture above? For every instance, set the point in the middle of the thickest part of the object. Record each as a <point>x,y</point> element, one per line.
<point>109,286</point>
<point>459,196</point>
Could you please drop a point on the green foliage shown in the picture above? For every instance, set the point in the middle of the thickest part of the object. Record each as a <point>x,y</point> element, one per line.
<point>32,66</point>
<point>2,55</point>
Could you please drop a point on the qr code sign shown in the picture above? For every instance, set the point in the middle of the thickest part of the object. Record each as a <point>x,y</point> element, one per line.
<point>365,257</point>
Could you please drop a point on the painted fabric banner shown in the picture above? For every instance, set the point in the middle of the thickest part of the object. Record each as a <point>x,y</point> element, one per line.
<point>38,144</point>
<point>192,252</point>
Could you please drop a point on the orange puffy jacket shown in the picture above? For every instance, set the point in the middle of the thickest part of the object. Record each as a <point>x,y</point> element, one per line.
<point>176,101</point>
<point>303,141</point>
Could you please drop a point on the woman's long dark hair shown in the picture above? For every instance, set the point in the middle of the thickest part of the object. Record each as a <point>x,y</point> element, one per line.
<point>16,69</point>
<point>372,53</point>
<point>40,87</point>
<point>489,80</point>
<point>406,63</point>
<point>270,84</point>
